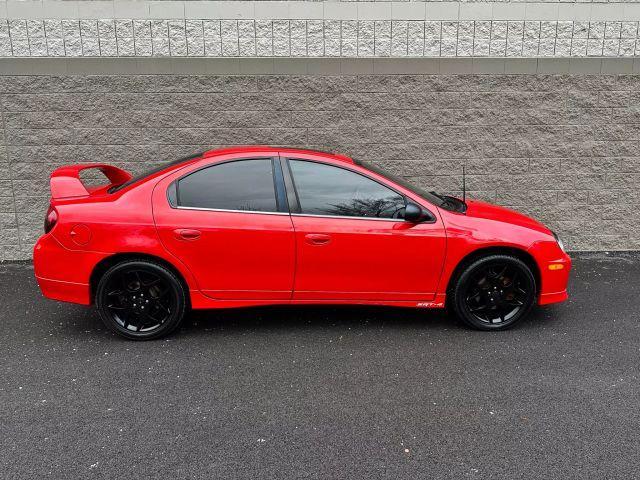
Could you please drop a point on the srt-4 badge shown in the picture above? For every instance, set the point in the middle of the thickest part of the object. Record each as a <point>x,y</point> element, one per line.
<point>430,304</point>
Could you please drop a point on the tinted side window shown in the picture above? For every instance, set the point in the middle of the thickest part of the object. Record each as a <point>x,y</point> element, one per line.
<point>327,190</point>
<point>240,185</point>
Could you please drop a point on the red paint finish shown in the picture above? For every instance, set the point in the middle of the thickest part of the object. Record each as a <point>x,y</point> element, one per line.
<point>80,234</point>
<point>63,274</point>
<point>355,259</point>
<point>239,258</point>
<point>232,255</point>
<point>554,281</point>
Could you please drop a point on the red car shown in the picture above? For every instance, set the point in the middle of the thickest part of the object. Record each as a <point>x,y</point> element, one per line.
<point>261,226</point>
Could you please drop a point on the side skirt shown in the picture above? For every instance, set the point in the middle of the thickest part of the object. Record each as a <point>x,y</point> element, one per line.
<point>200,301</point>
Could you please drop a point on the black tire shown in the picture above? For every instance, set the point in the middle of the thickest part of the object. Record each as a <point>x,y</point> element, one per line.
<point>493,293</point>
<point>141,299</point>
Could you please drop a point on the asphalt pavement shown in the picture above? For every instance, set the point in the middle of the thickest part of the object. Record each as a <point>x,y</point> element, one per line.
<point>326,393</point>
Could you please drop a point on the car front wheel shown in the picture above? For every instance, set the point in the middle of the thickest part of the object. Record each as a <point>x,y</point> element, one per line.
<point>140,299</point>
<point>494,292</point>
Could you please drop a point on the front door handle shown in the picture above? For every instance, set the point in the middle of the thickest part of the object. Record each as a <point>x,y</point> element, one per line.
<point>317,238</point>
<point>186,234</point>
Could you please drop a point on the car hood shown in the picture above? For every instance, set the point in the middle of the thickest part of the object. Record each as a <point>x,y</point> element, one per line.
<point>478,209</point>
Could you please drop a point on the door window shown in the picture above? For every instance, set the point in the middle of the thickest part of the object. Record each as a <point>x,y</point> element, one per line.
<point>245,185</point>
<point>327,190</point>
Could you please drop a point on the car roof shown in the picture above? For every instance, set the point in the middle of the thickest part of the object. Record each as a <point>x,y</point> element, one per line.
<point>211,154</point>
<point>284,150</point>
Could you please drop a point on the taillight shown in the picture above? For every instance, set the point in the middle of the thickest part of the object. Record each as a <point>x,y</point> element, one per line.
<point>50,220</point>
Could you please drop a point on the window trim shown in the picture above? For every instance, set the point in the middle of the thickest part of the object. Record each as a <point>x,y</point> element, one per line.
<point>173,186</point>
<point>278,188</point>
<point>282,203</point>
<point>291,191</point>
<point>224,210</point>
<point>346,217</point>
<point>298,212</point>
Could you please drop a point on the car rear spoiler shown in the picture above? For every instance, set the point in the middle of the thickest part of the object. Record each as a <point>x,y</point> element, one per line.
<point>65,181</point>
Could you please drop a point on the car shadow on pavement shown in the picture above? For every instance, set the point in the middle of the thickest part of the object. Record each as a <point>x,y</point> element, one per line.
<point>312,318</point>
<point>81,321</point>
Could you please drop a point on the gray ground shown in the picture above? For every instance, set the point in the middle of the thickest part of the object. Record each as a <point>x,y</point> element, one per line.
<point>326,392</point>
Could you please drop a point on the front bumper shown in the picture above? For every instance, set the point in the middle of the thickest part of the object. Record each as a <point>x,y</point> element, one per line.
<point>553,297</point>
<point>63,274</point>
<point>555,267</point>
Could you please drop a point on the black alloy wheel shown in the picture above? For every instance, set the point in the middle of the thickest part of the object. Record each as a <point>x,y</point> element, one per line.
<point>140,300</point>
<point>494,292</point>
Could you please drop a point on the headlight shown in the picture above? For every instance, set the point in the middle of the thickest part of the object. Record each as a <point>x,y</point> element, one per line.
<point>560,244</point>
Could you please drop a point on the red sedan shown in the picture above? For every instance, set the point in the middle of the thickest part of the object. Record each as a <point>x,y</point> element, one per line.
<point>263,226</point>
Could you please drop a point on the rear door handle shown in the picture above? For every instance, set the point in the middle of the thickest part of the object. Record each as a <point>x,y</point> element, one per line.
<point>317,238</point>
<point>186,234</point>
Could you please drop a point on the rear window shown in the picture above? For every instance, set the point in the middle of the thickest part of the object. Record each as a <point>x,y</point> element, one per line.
<point>153,171</point>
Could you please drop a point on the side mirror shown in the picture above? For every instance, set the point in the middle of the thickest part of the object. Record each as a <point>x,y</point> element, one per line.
<point>415,214</point>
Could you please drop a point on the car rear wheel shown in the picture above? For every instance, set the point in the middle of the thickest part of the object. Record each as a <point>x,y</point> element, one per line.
<point>140,300</point>
<point>494,292</point>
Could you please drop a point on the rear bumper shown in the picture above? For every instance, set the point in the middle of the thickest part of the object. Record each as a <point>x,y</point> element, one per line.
<point>65,291</point>
<point>63,274</point>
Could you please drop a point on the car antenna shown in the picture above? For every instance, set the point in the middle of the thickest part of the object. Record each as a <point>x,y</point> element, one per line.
<point>464,186</point>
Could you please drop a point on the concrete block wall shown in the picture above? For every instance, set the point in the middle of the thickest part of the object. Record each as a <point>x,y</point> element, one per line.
<point>540,100</point>
<point>141,28</point>
<point>564,148</point>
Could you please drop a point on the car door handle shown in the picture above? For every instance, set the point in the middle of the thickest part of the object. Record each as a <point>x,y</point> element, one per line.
<point>186,234</point>
<point>317,238</point>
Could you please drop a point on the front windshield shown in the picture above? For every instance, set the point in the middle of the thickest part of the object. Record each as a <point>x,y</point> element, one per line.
<point>430,196</point>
